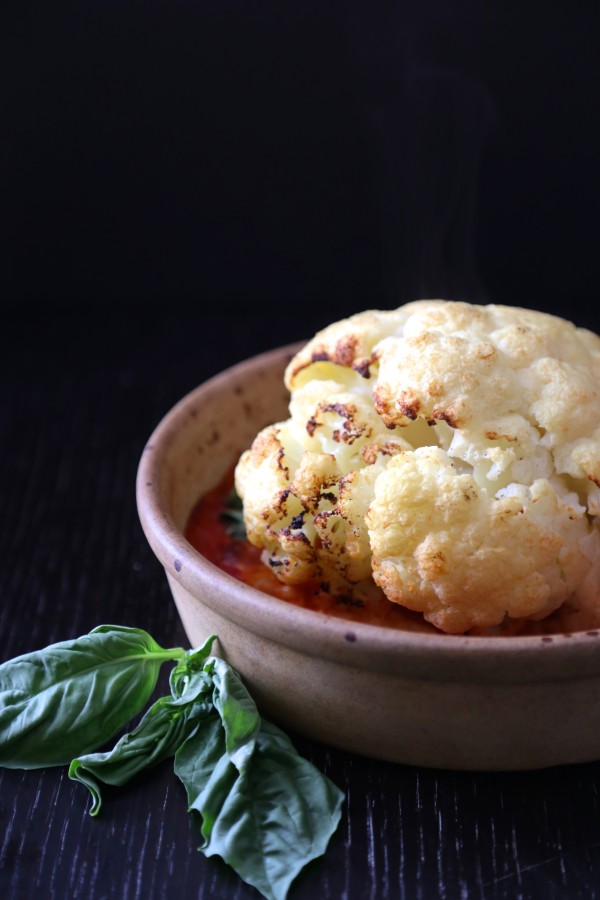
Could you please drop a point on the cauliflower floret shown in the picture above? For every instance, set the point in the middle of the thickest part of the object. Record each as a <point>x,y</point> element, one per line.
<point>447,451</point>
<point>465,557</point>
<point>349,343</point>
<point>307,483</point>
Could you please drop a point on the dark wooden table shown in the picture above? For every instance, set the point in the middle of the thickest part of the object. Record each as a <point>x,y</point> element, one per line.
<point>79,395</point>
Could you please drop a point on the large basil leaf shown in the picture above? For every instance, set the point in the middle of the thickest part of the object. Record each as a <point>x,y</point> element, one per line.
<point>73,696</point>
<point>269,817</point>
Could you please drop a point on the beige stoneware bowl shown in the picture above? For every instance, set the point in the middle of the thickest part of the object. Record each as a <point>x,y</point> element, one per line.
<point>473,703</point>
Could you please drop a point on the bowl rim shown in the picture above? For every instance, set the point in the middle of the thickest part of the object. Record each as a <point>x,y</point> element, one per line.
<point>519,658</point>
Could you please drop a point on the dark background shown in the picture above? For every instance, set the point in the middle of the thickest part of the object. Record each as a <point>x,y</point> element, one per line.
<point>183,185</point>
<point>304,159</point>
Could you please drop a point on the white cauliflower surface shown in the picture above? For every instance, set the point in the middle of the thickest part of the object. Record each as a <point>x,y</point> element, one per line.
<point>448,452</point>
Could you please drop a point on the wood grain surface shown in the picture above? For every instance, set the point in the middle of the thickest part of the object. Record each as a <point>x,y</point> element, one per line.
<point>79,395</point>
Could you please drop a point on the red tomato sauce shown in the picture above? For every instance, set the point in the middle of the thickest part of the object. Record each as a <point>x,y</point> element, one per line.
<point>207,532</point>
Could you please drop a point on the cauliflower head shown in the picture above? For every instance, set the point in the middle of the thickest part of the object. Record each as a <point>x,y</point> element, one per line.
<point>446,451</point>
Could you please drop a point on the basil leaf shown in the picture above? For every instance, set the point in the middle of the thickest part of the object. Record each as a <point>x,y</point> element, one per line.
<point>232,515</point>
<point>265,810</point>
<point>237,710</point>
<point>165,726</point>
<point>207,773</point>
<point>280,816</point>
<point>73,696</point>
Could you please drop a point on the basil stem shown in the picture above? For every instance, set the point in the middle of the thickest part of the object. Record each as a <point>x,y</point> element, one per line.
<point>73,696</point>
<point>159,734</point>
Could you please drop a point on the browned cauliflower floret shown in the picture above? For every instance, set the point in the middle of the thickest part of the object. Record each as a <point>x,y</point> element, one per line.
<point>464,557</point>
<point>307,483</point>
<point>448,451</point>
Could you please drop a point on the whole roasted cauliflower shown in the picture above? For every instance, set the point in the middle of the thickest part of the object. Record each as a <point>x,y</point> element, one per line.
<point>448,453</point>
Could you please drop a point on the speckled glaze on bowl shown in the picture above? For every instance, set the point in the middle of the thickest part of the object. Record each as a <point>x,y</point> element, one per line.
<point>471,703</point>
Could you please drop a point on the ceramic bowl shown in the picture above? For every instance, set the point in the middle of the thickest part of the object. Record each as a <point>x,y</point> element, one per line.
<point>428,699</point>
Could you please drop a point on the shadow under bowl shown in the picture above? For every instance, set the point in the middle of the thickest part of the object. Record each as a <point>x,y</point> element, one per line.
<point>428,699</point>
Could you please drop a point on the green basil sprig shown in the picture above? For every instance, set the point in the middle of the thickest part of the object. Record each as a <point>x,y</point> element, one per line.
<point>265,810</point>
<point>232,516</point>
